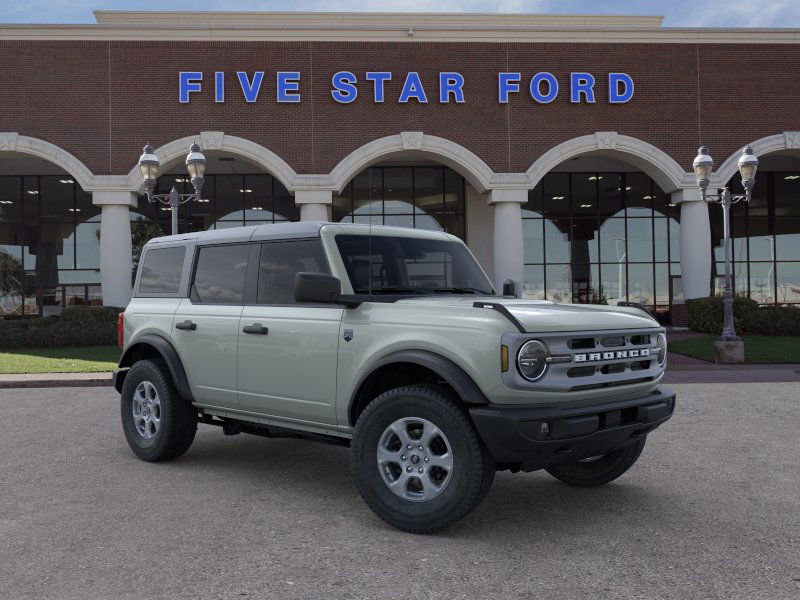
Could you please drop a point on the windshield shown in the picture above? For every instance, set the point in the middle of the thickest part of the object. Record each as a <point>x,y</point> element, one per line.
<point>408,265</point>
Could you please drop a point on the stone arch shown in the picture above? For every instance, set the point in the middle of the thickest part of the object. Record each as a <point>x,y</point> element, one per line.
<point>444,151</point>
<point>218,140</point>
<point>656,163</point>
<point>788,140</point>
<point>11,141</point>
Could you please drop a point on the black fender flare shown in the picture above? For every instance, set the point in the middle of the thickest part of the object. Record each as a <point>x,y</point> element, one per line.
<point>170,356</point>
<point>458,379</point>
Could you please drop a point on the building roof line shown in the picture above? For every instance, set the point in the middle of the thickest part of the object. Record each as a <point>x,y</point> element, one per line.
<point>374,33</point>
<point>272,18</point>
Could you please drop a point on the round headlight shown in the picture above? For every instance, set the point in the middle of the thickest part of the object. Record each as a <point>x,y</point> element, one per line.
<point>661,349</point>
<point>531,360</point>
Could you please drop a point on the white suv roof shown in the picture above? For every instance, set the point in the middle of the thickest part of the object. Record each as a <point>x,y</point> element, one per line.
<point>288,230</point>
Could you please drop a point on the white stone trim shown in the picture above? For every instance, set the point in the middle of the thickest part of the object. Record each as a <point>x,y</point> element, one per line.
<point>219,140</point>
<point>313,197</point>
<point>345,20</point>
<point>121,197</point>
<point>395,27</point>
<point>518,195</point>
<point>664,170</point>
<point>11,141</point>
<point>444,151</point>
<point>788,140</point>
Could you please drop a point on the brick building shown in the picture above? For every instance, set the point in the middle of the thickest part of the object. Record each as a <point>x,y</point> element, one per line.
<point>558,147</point>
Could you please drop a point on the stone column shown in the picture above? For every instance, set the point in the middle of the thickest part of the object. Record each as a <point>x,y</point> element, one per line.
<point>507,244</point>
<point>314,205</point>
<point>116,261</point>
<point>695,243</point>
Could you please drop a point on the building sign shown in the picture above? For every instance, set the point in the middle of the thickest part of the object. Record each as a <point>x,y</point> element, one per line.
<point>346,87</point>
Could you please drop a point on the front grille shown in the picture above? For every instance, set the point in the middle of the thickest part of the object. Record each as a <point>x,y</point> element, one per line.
<point>597,359</point>
<point>613,342</point>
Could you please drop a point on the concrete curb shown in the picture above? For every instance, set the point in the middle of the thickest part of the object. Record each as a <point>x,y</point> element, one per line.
<point>48,380</point>
<point>707,373</point>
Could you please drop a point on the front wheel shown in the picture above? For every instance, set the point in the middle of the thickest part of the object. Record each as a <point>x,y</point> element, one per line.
<point>599,470</point>
<point>418,461</point>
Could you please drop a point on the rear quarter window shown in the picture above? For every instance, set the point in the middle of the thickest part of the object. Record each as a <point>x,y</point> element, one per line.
<point>161,270</point>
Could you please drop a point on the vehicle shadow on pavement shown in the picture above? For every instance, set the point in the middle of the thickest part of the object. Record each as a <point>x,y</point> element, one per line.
<point>316,477</point>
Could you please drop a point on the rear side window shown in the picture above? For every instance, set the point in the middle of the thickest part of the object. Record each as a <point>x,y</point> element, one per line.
<point>280,262</point>
<point>161,270</point>
<point>220,274</point>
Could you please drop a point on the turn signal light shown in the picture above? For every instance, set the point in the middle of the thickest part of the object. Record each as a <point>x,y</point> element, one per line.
<point>121,329</point>
<point>504,358</point>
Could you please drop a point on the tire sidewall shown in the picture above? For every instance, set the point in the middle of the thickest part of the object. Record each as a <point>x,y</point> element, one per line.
<point>604,470</point>
<point>399,404</point>
<point>146,370</point>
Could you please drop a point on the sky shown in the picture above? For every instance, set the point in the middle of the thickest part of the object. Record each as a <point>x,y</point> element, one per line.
<point>678,13</point>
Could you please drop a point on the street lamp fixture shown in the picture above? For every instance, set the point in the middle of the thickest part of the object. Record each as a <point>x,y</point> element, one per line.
<point>195,165</point>
<point>748,165</point>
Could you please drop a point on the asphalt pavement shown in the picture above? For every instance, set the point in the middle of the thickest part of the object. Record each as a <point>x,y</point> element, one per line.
<point>711,510</point>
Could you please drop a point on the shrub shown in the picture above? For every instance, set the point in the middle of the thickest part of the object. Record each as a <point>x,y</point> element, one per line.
<point>776,321</point>
<point>706,315</point>
<point>91,314</point>
<point>77,326</point>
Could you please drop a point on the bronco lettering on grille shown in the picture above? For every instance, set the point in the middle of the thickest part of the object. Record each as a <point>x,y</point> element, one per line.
<point>616,355</point>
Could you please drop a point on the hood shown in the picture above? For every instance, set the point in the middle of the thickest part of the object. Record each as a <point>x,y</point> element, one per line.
<point>540,315</point>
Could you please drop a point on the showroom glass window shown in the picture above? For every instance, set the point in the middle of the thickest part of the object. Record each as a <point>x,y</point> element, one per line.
<point>49,246</point>
<point>601,238</point>
<point>766,240</point>
<point>417,197</point>
<point>228,201</point>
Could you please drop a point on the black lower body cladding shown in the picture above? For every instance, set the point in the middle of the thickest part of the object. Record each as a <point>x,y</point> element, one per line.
<point>536,437</point>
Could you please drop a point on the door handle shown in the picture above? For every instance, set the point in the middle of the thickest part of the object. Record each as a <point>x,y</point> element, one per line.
<point>187,325</point>
<point>256,328</point>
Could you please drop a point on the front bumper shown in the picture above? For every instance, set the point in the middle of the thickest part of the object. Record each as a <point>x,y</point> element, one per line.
<point>535,437</point>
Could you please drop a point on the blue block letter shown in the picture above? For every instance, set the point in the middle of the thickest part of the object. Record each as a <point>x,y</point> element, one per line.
<point>288,86</point>
<point>250,90</point>
<point>344,89</point>
<point>412,88</point>
<point>615,96</point>
<point>581,83</point>
<point>188,81</point>
<point>536,88</point>
<point>507,83</point>
<point>451,83</point>
<point>219,86</point>
<point>378,77</point>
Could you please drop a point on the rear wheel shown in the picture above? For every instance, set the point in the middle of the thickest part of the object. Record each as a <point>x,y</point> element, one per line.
<point>417,460</point>
<point>157,422</point>
<point>599,470</point>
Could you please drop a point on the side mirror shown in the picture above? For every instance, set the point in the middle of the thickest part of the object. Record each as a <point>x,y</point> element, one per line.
<point>510,288</point>
<point>317,287</point>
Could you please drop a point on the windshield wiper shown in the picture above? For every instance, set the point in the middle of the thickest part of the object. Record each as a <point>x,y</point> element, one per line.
<point>462,290</point>
<point>398,289</point>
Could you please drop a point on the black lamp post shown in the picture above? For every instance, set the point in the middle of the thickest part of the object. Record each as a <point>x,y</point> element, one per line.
<point>703,165</point>
<point>195,164</point>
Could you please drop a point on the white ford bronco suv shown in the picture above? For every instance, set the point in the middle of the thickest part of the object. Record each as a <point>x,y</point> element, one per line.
<point>393,342</point>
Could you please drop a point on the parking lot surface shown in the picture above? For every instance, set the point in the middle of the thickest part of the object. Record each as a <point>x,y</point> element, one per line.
<point>711,510</point>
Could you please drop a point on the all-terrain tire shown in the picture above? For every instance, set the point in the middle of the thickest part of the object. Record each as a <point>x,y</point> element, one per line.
<point>460,489</point>
<point>177,418</point>
<point>600,470</point>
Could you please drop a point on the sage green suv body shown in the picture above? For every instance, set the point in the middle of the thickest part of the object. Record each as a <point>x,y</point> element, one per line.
<point>394,342</point>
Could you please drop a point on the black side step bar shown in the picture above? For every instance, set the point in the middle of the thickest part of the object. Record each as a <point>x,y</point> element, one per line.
<point>503,311</point>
